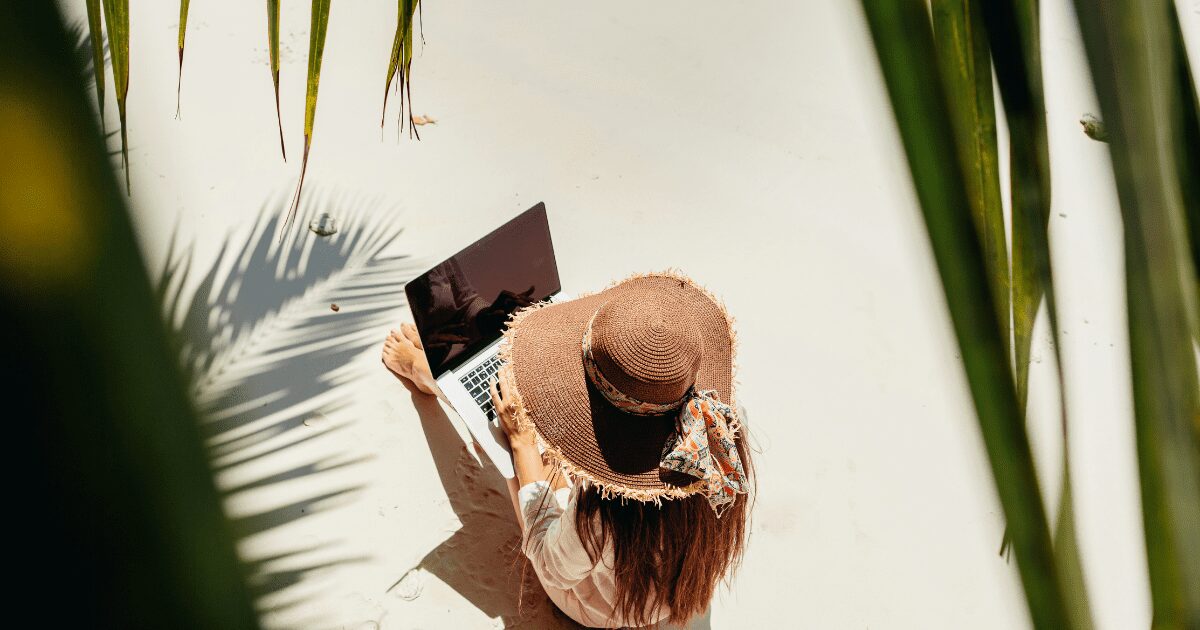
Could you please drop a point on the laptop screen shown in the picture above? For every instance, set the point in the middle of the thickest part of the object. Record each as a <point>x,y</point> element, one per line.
<point>462,305</point>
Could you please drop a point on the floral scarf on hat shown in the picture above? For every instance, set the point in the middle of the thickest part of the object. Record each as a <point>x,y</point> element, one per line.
<point>702,446</point>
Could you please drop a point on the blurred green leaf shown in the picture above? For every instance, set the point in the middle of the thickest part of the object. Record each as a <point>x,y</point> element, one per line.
<point>184,5</point>
<point>316,49</point>
<point>904,45</point>
<point>1015,29</point>
<point>964,55</point>
<point>965,58</point>
<point>116,17</point>
<point>1132,50</point>
<point>1066,550</point>
<point>273,45</point>
<point>96,34</point>
<point>1189,147</point>
<point>126,514</point>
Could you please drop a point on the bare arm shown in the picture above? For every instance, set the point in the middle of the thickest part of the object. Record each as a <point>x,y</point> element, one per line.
<point>527,461</point>
<point>403,355</point>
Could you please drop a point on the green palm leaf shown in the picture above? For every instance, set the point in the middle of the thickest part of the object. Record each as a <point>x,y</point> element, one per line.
<point>1014,29</point>
<point>965,57</point>
<point>400,63</point>
<point>116,17</point>
<point>904,45</point>
<point>1017,57</point>
<point>273,45</point>
<point>184,5</point>
<point>316,49</point>
<point>1066,552</point>
<point>120,457</point>
<point>1132,51</point>
<point>1189,148</point>
<point>96,34</point>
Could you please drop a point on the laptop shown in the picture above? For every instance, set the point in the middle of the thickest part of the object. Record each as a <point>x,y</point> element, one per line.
<point>461,308</point>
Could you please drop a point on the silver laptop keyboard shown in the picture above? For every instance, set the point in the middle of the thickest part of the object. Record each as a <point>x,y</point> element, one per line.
<point>476,382</point>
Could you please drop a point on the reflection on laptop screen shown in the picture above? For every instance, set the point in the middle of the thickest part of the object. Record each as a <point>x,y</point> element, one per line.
<point>462,305</point>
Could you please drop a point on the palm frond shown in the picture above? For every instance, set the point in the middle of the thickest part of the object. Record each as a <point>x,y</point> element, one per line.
<point>116,18</point>
<point>1132,50</point>
<point>964,54</point>
<point>905,49</point>
<point>400,63</point>
<point>273,46</point>
<point>316,50</point>
<point>1015,27</point>
<point>184,5</point>
<point>136,519</point>
<point>1189,145</point>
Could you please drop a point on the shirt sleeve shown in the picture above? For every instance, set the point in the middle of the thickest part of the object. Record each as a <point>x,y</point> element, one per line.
<point>550,540</point>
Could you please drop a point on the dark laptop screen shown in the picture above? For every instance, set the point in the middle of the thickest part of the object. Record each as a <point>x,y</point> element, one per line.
<point>462,305</point>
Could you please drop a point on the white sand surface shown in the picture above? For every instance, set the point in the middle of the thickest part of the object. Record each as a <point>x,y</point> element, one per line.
<point>749,144</point>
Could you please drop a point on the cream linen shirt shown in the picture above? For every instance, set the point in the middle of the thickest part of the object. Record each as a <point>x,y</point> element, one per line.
<point>584,591</point>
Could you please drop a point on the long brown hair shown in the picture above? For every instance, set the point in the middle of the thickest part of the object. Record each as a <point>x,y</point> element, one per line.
<point>672,554</point>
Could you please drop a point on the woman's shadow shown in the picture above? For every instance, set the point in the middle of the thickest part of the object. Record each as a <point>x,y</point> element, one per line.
<point>482,561</point>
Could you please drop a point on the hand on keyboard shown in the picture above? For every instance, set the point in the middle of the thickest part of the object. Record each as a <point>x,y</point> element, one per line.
<point>476,383</point>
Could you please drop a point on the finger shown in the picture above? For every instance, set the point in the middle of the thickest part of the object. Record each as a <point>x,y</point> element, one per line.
<point>505,387</point>
<point>510,379</point>
<point>495,394</point>
<point>497,403</point>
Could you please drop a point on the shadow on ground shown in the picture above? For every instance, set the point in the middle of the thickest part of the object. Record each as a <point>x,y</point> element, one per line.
<point>268,358</point>
<point>482,560</point>
<point>266,352</point>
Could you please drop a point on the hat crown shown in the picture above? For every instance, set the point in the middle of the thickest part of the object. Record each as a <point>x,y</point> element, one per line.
<point>645,348</point>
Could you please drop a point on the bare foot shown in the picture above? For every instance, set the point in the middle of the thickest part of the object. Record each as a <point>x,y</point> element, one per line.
<point>404,356</point>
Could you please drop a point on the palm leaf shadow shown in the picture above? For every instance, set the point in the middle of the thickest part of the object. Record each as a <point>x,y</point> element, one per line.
<point>265,355</point>
<point>78,33</point>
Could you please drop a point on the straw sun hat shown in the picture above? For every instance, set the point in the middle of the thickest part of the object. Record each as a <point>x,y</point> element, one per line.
<point>631,388</point>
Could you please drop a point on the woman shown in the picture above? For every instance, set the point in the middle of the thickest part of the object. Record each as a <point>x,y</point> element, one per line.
<point>631,463</point>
